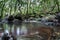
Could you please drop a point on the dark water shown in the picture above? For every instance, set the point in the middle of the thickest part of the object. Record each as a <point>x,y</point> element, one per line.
<point>19,29</point>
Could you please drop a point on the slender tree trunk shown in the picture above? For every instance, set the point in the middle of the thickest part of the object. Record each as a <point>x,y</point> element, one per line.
<point>15,7</point>
<point>27,6</point>
<point>57,3</point>
<point>10,10</point>
<point>10,7</point>
<point>19,4</point>
<point>2,10</point>
<point>58,7</point>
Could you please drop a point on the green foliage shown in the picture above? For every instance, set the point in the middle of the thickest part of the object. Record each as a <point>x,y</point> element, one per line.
<point>28,6</point>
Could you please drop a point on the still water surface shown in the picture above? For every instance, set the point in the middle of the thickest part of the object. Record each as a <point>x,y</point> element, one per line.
<point>19,29</point>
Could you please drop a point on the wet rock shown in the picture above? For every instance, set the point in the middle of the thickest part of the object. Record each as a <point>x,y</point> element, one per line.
<point>10,18</point>
<point>58,17</point>
<point>5,37</point>
<point>0,20</point>
<point>13,37</point>
<point>17,21</point>
<point>18,17</point>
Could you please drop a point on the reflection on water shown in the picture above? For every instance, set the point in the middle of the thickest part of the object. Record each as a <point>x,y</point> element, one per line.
<point>19,29</point>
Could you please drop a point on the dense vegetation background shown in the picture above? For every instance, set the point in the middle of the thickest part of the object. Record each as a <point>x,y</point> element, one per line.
<point>26,8</point>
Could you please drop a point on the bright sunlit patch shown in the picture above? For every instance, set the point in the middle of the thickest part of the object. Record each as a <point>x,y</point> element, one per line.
<point>6,31</point>
<point>32,0</point>
<point>47,17</point>
<point>0,0</point>
<point>18,31</point>
<point>37,3</point>
<point>36,32</point>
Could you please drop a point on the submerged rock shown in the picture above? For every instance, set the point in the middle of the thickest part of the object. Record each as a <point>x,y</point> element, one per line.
<point>16,21</point>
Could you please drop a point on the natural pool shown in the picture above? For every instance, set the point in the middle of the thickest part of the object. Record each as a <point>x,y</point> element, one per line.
<point>19,29</point>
